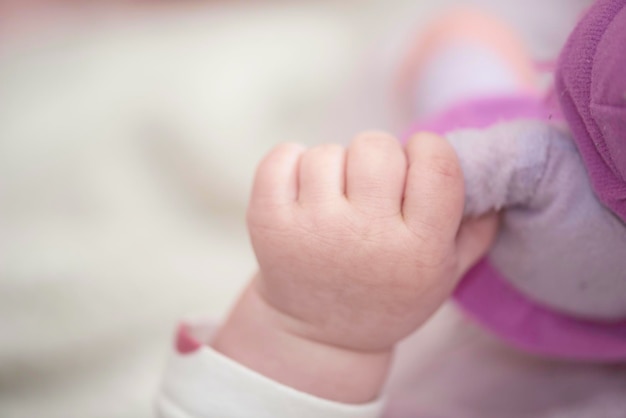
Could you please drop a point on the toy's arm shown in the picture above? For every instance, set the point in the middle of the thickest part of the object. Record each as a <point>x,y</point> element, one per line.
<point>503,164</point>
<point>558,243</point>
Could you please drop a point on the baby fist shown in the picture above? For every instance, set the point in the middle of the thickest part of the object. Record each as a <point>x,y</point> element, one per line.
<point>357,247</point>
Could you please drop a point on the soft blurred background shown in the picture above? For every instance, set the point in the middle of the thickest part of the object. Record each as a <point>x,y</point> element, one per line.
<point>129,134</point>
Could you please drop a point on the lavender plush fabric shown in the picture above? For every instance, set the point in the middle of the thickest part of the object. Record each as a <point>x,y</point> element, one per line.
<point>548,276</point>
<point>558,245</point>
<point>555,282</point>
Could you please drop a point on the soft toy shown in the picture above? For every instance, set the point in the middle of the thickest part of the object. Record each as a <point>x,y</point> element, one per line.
<point>555,281</point>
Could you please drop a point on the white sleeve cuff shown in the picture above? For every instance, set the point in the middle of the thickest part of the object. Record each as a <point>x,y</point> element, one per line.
<point>203,383</point>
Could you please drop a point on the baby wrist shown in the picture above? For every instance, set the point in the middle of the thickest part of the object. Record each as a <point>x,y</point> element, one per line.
<point>253,336</point>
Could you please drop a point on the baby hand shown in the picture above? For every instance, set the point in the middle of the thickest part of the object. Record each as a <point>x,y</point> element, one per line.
<point>358,247</point>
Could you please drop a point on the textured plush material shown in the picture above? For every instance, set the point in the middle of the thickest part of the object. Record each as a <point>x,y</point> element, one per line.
<point>591,85</point>
<point>555,281</point>
<point>558,244</point>
<point>559,249</point>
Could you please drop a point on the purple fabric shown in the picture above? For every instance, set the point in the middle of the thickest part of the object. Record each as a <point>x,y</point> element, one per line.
<point>557,243</point>
<point>484,112</point>
<point>591,84</point>
<point>490,300</point>
<point>488,297</point>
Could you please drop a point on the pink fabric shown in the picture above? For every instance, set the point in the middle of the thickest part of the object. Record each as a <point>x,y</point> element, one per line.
<point>484,112</point>
<point>186,343</point>
<point>591,85</point>
<point>488,298</point>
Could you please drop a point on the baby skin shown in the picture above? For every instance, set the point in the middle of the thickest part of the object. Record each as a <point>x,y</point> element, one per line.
<point>357,247</point>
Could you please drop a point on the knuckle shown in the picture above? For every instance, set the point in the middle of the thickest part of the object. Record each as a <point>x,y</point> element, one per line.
<point>326,219</point>
<point>333,224</point>
<point>445,166</point>
<point>438,156</point>
<point>327,149</point>
<point>375,139</point>
<point>378,208</point>
<point>277,156</point>
<point>320,154</point>
<point>441,161</point>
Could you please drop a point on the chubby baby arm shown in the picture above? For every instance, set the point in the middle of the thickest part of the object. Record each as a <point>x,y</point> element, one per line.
<point>357,247</point>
